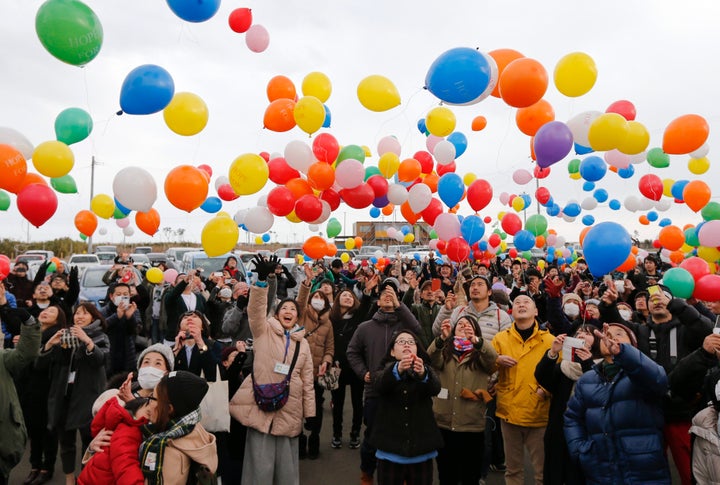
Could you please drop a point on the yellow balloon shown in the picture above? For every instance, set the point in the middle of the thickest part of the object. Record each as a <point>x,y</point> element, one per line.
<point>154,275</point>
<point>317,84</point>
<point>219,236</point>
<point>503,246</point>
<point>103,206</point>
<point>575,74</point>
<point>699,166</point>
<point>637,139</point>
<point>409,237</point>
<point>350,243</point>
<point>187,114</point>
<point>469,178</point>
<point>607,131</point>
<point>541,264</point>
<point>518,204</point>
<point>258,240</point>
<point>309,114</point>
<point>708,254</point>
<point>248,174</point>
<point>53,159</point>
<point>367,151</point>
<point>667,187</point>
<point>345,257</point>
<point>388,164</point>
<point>686,248</point>
<point>292,217</point>
<point>575,176</point>
<point>500,215</point>
<point>378,93</point>
<point>223,214</point>
<point>440,121</point>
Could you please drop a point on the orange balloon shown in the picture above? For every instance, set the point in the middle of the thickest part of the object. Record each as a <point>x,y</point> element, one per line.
<point>696,194</point>
<point>431,180</point>
<point>677,257</point>
<point>315,247</point>
<point>685,134</point>
<point>409,170</point>
<point>644,220</point>
<point>13,168</point>
<point>408,214</point>
<point>186,187</point>
<point>479,122</point>
<point>148,222</point>
<point>281,87</point>
<point>86,222</point>
<point>523,82</point>
<point>321,175</point>
<point>388,209</point>
<point>540,241</point>
<point>628,265</point>
<point>331,249</point>
<point>503,57</point>
<point>671,237</point>
<point>358,242</point>
<point>31,178</point>
<point>279,115</point>
<point>532,148</point>
<point>583,233</point>
<point>299,187</point>
<point>530,119</point>
<point>634,250</point>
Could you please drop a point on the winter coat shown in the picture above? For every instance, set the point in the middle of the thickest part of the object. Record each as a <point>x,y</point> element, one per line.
<point>425,315</point>
<point>119,463</point>
<point>518,402</point>
<point>175,306</point>
<point>706,447</point>
<point>344,329</point>
<point>198,446</point>
<point>318,330</point>
<point>686,379</point>
<point>404,422</point>
<point>89,383</point>
<point>492,319</point>
<point>13,435</point>
<point>121,331</point>
<point>454,412</point>
<point>269,342</point>
<point>372,338</point>
<point>614,426</point>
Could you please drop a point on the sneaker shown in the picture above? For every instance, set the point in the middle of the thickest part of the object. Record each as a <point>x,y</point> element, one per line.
<point>498,468</point>
<point>354,441</point>
<point>336,442</point>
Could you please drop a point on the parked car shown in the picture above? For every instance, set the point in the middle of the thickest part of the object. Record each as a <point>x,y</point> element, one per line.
<point>42,252</point>
<point>157,258</point>
<point>28,258</point>
<point>83,261</point>
<point>175,255</point>
<point>370,250</point>
<point>92,286</point>
<point>288,252</point>
<point>142,249</point>
<point>106,257</point>
<point>200,260</point>
<point>106,249</point>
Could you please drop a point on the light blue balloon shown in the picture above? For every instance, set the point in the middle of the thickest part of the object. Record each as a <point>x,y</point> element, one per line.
<point>588,186</point>
<point>147,89</point>
<point>664,222</point>
<point>626,173</point>
<point>459,76</point>
<point>374,212</point>
<point>652,216</point>
<point>405,230</point>
<point>593,168</point>
<point>615,204</point>
<point>582,150</point>
<point>451,189</point>
<point>194,10</point>
<point>328,117</point>
<point>600,195</point>
<point>572,210</point>
<point>472,229</point>
<point>459,141</point>
<point>553,210</point>
<point>677,189</point>
<point>212,205</point>
<point>422,127</point>
<point>588,220</point>
<point>266,238</point>
<point>524,240</point>
<point>605,247</point>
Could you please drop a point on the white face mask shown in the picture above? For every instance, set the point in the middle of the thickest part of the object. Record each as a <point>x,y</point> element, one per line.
<point>620,286</point>
<point>317,304</point>
<point>572,310</point>
<point>118,300</point>
<point>625,315</point>
<point>148,377</point>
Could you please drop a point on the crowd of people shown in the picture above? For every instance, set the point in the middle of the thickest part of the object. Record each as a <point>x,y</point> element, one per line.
<point>467,367</point>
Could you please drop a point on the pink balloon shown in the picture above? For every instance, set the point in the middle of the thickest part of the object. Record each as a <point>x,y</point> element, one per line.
<point>257,38</point>
<point>447,226</point>
<point>522,176</point>
<point>431,141</point>
<point>617,159</point>
<point>169,275</point>
<point>504,198</point>
<point>709,234</point>
<point>123,223</point>
<point>349,174</point>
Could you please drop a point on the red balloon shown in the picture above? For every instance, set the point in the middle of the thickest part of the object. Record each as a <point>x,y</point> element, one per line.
<point>541,172</point>
<point>240,20</point>
<point>307,208</point>
<point>331,197</point>
<point>206,168</point>
<point>426,161</point>
<point>358,197</point>
<point>651,186</point>
<point>512,253</point>
<point>511,223</point>
<point>281,202</point>
<point>494,240</point>
<point>487,220</point>
<point>325,148</point>
<point>624,108</point>
<point>37,203</point>
<point>265,156</point>
<point>542,194</point>
<point>477,254</point>
<point>379,185</point>
<point>447,168</point>
<point>441,246</point>
<point>434,209</point>
<point>697,267</point>
<point>458,249</point>
<point>4,267</point>
<point>479,194</point>
<point>707,288</point>
<point>280,171</point>
<point>226,193</point>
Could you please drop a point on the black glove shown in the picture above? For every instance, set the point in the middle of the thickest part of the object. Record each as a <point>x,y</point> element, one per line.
<point>263,267</point>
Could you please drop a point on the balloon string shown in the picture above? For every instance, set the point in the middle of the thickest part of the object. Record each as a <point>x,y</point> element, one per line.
<point>402,114</point>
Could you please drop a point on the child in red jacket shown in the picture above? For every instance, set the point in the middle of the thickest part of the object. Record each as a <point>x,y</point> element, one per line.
<point>118,463</point>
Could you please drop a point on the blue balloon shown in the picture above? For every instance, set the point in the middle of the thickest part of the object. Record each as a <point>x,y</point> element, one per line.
<point>582,150</point>
<point>266,238</point>
<point>588,220</point>
<point>626,173</point>
<point>664,222</point>
<point>417,257</point>
<point>526,198</point>
<point>211,205</point>
<point>652,216</point>
<point>146,90</point>
<point>472,229</point>
<point>194,10</point>
<point>483,245</point>
<point>601,195</point>
<point>550,256</point>
<point>451,189</point>
<point>524,240</point>
<point>553,210</point>
<point>405,229</point>
<point>459,76</point>
<point>572,210</point>
<point>373,260</point>
<point>328,117</point>
<point>242,226</point>
<point>121,207</point>
<point>374,212</point>
<point>605,247</point>
<point>459,141</point>
<point>422,127</point>
<point>615,204</point>
<point>560,261</point>
<point>593,168</point>
<point>677,189</point>
<point>588,186</point>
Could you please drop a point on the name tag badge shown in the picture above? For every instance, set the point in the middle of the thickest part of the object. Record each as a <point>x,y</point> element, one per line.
<point>71,377</point>
<point>151,461</point>
<point>281,368</point>
<point>443,394</point>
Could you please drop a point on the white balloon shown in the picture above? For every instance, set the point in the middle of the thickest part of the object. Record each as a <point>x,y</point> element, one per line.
<point>313,227</point>
<point>220,181</point>
<point>388,144</point>
<point>560,241</point>
<point>632,203</point>
<point>397,194</point>
<point>325,215</point>
<point>699,153</point>
<point>12,137</point>
<point>447,226</point>
<point>349,173</point>
<point>240,216</point>
<point>638,158</point>
<point>258,220</point>
<point>522,176</point>
<point>102,231</point>
<point>262,201</point>
<point>299,155</point>
<point>379,254</point>
<point>444,152</point>
<point>128,231</point>
<point>568,218</point>
<point>580,125</point>
<point>589,203</point>
<point>135,189</point>
<point>646,204</point>
<point>663,204</point>
<point>419,197</point>
<point>275,155</point>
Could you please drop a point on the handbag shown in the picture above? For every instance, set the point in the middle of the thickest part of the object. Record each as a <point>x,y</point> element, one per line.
<point>330,380</point>
<point>272,397</point>
<point>215,406</point>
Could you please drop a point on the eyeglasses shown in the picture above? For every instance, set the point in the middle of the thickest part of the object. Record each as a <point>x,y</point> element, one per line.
<point>403,342</point>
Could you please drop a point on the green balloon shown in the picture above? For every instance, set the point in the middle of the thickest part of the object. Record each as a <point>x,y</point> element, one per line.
<point>83,236</point>
<point>4,200</point>
<point>526,255</point>
<point>351,151</point>
<point>680,282</point>
<point>574,165</point>
<point>711,211</point>
<point>73,125</point>
<point>536,224</point>
<point>657,158</point>
<point>69,30</point>
<point>333,227</point>
<point>370,171</point>
<point>118,214</point>
<point>691,237</point>
<point>433,234</point>
<point>65,184</point>
<point>503,235</point>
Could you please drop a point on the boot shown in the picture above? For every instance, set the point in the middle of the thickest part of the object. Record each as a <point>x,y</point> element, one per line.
<point>366,479</point>
<point>302,446</point>
<point>313,446</point>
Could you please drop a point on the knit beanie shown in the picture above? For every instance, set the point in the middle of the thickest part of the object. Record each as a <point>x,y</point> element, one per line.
<point>185,391</point>
<point>571,296</point>
<point>161,349</point>
<point>630,333</point>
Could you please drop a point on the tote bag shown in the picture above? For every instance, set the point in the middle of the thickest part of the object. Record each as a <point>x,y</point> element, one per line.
<point>215,406</point>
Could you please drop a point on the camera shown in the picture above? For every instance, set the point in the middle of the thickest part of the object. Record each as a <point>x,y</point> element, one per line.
<point>249,343</point>
<point>68,340</point>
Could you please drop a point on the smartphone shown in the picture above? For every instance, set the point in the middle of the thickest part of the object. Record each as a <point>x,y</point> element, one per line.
<point>228,281</point>
<point>608,280</point>
<point>436,282</point>
<point>653,290</point>
<point>569,346</point>
<point>125,299</point>
<point>218,274</point>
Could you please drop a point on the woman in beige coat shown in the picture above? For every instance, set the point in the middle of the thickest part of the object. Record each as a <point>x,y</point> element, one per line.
<point>271,446</point>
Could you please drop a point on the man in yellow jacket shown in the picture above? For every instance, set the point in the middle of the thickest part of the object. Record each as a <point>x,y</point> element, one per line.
<point>522,405</point>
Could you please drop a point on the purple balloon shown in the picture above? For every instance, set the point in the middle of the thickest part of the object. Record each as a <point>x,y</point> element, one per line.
<point>553,141</point>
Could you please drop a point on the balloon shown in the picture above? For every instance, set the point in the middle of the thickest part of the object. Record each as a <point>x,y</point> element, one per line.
<point>334,228</point>
<point>472,229</point>
<point>707,288</point>
<point>280,201</point>
<point>240,21</point>
<point>358,242</point>
<point>309,114</point>
<point>479,123</point>
<point>672,238</point>
<point>624,108</point>
<point>257,38</point>
<point>315,247</point>
<point>154,275</point>
<point>696,194</point>
<point>575,74</point>
<point>308,208</point>
<point>697,267</point>
<point>331,197</point>
<point>698,166</point>
<point>460,76</point>
<point>636,140</point>
<point>444,152</point>
<point>378,184</point>
<point>536,224</point>
<point>580,125</point>
<point>607,131</point>
<point>280,115</point>
<point>37,203</point>
<point>321,176</point>
<point>708,234</point>
<point>280,87</point>
<point>299,187</point>
<point>447,226</point>
<point>211,205</point>
<point>651,186</point>
<point>148,222</point>
<point>440,121</point>
<point>147,89</point>
<point>605,247</point>
<point>325,148</point>
<point>299,155</point>
<point>685,134</point>
<point>397,194</point>
<point>451,189</point>
<point>458,249</point>
<point>658,158</point>
<point>553,142</point>
<point>169,275</point>
<point>432,211</point>
<point>122,223</point>
<point>73,125</point>
<point>248,174</point>
<point>524,240</point>
<point>86,222</point>
<point>280,172</point>
<point>349,243</point>
<point>4,200</point>
<point>219,235</point>
<point>186,188</point>
<point>103,206</point>
<point>523,82</point>
<point>186,114</point>
<point>388,144</point>
<point>318,85</point>
<point>135,188</point>
<point>53,159</point>
<point>521,176</point>
<point>592,168</point>
<point>530,119</point>
<point>353,152</point>
<point>408,170</point>
<point>349,174</point>
<point>419,197</point>
<point>711,211</point>
<point>378,93</point>
<point>358,197</point>
<point>13,168</point>
<point>9,136</point>
<point>69,30</point>
<point>479,194</point>
<point>194,11</point>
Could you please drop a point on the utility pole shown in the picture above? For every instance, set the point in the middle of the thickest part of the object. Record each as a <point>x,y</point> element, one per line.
<point>92,194</point>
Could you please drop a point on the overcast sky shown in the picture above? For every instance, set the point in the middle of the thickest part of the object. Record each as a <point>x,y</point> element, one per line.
<point>661,55</point>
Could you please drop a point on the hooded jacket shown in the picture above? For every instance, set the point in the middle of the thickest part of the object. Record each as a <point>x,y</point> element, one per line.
<point>318,330</point>
<point>198,446</point>
<point>492,319</point>
<point>706,447</point>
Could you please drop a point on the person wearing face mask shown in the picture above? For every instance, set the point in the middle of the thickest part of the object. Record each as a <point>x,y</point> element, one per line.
<point>563,311</point>
<point>123,319</point>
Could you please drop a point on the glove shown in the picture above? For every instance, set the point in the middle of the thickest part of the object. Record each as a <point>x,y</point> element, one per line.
<point>552,289</point>
<point>264,267</point>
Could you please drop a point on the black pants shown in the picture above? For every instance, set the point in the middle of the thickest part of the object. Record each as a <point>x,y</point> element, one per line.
<point>315,424</point>
<point>389,473</point>
<point>68,453</point>
<point>43,449</point>
<point>368,462</point>
<point>457,460</point>
<point>348,378</point>
<point>494,447</point>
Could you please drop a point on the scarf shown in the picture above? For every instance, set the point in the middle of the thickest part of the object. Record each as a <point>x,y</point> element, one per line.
<point>610,369</point>
<point>152,449</point>
<point>461,345</point>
